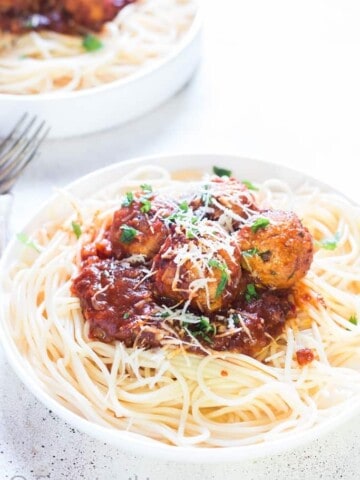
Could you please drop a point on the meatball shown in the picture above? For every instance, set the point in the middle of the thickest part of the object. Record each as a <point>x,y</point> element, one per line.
<point>66,16</point>
<point>276,248</point>
<point>138,227</point>
<point>93,13</point>
<point>225,200</point>
<point>117,301</point>
<point>199,265</point>
<point>19,5</point>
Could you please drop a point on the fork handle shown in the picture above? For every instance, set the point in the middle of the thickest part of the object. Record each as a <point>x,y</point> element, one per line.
<point>5,207</point>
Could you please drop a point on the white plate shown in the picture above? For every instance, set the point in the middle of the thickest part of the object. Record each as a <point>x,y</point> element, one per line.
<point>242,167</point>
<point>87,111</point>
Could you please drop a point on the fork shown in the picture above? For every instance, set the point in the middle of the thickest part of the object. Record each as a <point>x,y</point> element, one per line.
<point>16,152</point>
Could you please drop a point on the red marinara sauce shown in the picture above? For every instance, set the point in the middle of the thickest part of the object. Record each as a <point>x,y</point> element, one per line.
<point>64,16</point>
<point>304,356</point>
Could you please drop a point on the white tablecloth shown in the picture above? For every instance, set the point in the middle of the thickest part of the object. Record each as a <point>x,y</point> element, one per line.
<point>278,81</point>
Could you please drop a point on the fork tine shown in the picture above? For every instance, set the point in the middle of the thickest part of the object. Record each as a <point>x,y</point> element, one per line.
<point>8,183</point>
<point>20,156</point>
<point>13,131</point>
<point>25,154</point>
<point>16,140</point>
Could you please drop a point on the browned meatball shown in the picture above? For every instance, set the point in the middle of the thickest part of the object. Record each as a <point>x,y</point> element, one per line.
<point>65,16</point>
<point>276,248</point>
<point>93,13</point>
<point>200,265</point>
<point>19,5</point>
<point>225,200</point>
<point>22,15</point>
<point>117,301</point>
<point>138,228</point>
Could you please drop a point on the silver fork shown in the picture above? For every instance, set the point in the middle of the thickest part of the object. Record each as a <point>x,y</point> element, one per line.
<point>16,151</point>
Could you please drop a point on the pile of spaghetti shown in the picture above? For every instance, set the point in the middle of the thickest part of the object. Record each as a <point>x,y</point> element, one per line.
<point>48,46</point>
<point>203,313</point>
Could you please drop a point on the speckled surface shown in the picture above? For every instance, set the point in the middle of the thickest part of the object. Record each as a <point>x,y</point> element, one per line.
<point>36,444</point>
<point>279,81</point>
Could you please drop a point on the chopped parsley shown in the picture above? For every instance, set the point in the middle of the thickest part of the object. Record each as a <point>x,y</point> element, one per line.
<point>329,243</point>
<point>91,43</point>
<point>203,329</point>
<point>128,200</point>
<point>190,234</point>
<point>145,205</point>
<point>181,216</point>
<point>224,275</point>
<point>126,315</point>
<point>128,234</point>
<point>25,240</point>
<point>251,252</point>
<point>353,319</point>
<point>251,293</point>
<point>216,264</point>
<point>76,229</point>
<point>222,284</point>
<point>259,223</point>
<point>222,172</point>
<point>184,206</point>
<point>249,185</point>
<point>146,188</point>
<point>206,326</point>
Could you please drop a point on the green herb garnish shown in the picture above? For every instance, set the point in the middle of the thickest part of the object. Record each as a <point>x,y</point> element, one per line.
<point>129,199</point>
<point>251,293</point>
<point>128,234</point>
<point>91,43</point>
<point>146,188</point>
<point>249,185</point>
<point>76,229</point>
<point>205,324</point>
<point>126,315</point>
<point>191,233</point>
<point>146,205</point>
<point>329,243</point>
<point>259,223</point>
<point>353,319</point>
<point>216,264</point>
<point>202,329</point>
<point>184,206</point>
<point>224,275</point>
<point>25,240</point>
<point>251,252</point>
<point>222,172</point>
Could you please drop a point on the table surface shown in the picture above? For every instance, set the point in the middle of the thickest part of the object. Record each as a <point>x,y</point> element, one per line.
<point>279,81</point>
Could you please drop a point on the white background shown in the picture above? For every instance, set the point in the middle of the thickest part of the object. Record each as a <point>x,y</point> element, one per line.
<point>279,81</point>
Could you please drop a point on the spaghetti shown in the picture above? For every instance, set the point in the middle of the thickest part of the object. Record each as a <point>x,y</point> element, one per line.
<point>142,34</point>
<point>181,398</point>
